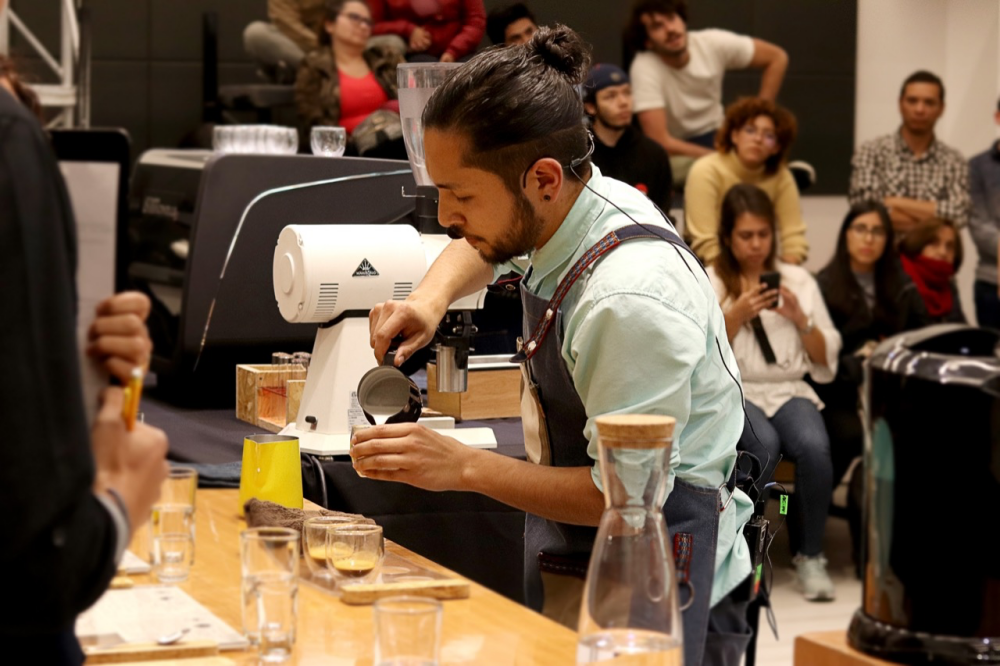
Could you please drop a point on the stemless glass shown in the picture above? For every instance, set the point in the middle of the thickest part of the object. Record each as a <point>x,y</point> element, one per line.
<point>314,538</point>
<point>171,542</point>
<point>222,138</point>
<point>328,141</point>
<point>269,558</point>
<point>407,631</point>
<point>355,552</point>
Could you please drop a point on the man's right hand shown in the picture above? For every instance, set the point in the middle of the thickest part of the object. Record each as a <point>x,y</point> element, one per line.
<point>420,39</point>
<point>132,463</point>
<point>415,319</point>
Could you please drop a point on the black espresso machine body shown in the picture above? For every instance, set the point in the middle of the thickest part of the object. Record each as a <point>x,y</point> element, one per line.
<point>202,232</point>
<point>932,482</point>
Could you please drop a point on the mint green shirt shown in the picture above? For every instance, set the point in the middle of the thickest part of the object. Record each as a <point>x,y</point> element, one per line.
<point>641,329</point>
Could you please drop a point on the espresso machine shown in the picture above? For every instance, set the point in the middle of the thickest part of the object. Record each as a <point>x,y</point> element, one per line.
<point>331,276</point>
<point>932,476</point>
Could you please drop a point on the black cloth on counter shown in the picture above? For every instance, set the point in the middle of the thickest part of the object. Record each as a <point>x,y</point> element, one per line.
<point>59,541</point>
<point>469,533</point>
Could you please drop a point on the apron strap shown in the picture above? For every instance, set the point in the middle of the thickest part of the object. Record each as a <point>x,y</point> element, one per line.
<point>603,246</point>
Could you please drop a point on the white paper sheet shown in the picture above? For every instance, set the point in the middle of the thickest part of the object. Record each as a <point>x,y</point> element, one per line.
<point>143,614</point>
<point>93,192</point>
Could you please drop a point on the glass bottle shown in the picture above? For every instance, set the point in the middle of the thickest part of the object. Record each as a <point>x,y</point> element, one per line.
<point>629,611</point>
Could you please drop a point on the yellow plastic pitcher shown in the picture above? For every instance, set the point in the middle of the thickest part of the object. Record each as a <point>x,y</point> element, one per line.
<point>271,470</point>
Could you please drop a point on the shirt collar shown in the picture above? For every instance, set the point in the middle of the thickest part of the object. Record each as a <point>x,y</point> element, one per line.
<point>566,242</point>
<point>904,148</point>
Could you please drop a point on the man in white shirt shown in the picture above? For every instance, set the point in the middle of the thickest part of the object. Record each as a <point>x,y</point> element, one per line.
<point>677,77</point>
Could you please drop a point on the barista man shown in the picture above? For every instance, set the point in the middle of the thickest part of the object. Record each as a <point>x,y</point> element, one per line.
<point>639,331</point>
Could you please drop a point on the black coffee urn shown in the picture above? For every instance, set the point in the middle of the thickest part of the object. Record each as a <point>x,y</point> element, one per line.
<point>932,499</point>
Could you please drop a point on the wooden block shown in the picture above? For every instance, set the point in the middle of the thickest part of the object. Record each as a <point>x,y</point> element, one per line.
<point>261,393</point>
<point>295,389</point>
<point>447,588</point>
<point>492,394</point>
<point>131,652</point>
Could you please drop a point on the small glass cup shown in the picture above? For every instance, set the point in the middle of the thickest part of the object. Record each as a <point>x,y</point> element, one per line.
<point>222,138</point>
<point>282,140</point>
<point>269,560</point>
<point>314,538</point>
<point>180,486</point>
<point>328,141</point>
<point>171,544</point>
<point>407,631</point>
<point>355,552</point>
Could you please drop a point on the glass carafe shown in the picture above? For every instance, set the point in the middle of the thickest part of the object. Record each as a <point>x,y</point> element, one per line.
<point>629,613</point>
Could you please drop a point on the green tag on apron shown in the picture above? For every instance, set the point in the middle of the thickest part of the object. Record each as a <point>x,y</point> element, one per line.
<point>784,504</point>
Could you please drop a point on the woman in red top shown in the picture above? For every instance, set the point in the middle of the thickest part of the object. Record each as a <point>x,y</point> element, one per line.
<point>931,256</point>
<point>445,30</point>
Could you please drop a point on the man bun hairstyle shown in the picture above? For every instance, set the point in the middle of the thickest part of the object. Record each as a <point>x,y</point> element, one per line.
<point>517,104</point>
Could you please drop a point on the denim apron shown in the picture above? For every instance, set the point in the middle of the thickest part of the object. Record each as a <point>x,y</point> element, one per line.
<point>553,418</point>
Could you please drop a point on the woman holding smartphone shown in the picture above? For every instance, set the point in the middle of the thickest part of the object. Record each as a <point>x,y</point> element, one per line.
<point>779,336</point>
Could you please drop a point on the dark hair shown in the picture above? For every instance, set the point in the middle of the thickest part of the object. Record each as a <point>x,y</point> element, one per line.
<point>841,289</point>
<point>331,10</point>
<point>925,233</point>
<point>743,112</point>
<point>24,94</point>
<point>634,36</point>
<point>741,199</point>
<point>500,18</point>
<point>922,76</point>
<point>517,104</point>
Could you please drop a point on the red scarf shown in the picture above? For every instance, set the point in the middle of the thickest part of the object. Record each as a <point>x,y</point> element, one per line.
<point>933,280</point>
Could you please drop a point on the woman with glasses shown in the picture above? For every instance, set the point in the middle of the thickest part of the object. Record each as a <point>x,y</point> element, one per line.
<point>932,255</point>
<point>752,147</point>
<point>779,336</point>
<point>346,80</point>
<point>869,298</point>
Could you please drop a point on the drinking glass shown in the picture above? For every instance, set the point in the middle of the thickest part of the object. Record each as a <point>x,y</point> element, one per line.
<point>222,138</point>
<point>407,631</point>
<point>171,544</point>
<point>328,141</point>
<point>269,558</point>
<point>314,537</point>
<point>355,552</point>
<point>179,488</point>
<point>283,141</point>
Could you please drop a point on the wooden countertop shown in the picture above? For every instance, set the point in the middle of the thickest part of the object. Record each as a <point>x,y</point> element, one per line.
<point>830,648</point>
<point>486,628</point>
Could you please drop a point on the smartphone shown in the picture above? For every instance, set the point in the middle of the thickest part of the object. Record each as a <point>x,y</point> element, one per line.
<point>773,281</point>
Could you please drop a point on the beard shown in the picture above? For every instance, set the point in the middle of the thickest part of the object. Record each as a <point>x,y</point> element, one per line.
<point>601,118</point>
<point>521,237</point>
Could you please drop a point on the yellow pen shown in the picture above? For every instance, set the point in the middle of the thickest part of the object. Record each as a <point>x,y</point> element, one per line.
<point>130,403</point>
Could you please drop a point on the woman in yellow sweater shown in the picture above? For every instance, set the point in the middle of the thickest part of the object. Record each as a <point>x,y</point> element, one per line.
<point>753,145</point>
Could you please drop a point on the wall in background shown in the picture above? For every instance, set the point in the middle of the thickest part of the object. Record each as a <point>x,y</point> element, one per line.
<point>147,67</point>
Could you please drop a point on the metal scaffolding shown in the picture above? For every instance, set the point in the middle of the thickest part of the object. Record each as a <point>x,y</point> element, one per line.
<point>70,95</point>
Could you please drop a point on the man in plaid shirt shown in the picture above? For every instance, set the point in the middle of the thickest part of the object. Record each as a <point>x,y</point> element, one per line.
<point>910,171</point>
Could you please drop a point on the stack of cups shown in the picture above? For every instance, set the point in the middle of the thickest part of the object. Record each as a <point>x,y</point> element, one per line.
<point>269,559</point>
<point>172,526</point>
<point>255,139</point>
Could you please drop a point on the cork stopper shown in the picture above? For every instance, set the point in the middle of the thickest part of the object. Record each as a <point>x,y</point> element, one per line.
<point>635,431</point>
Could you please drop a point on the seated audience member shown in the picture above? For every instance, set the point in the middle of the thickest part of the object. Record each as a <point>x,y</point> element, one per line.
<point>677,77</point>
<point>779,337</point>
<point>445,30</point>
<point>752,147</point>
<point>343,82</point>
<point>931,256</point>
<point>74,494</point>
<point>984,224</point>
<point>620,151</point>
<point>869,298</point>
<point>513,24</point>
<point>278,45</point>
<point>910,172</point>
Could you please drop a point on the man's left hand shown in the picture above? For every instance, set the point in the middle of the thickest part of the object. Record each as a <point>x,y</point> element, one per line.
<point>412,454</point>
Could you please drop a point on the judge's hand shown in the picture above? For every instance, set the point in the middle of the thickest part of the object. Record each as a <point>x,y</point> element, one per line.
<point>118,338</point>
<point>132,463</point>
<point>447,57</point>
<point>412,454</point>
<point>750,303</point>
<point>416,319</point>
<point>420,39</point>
